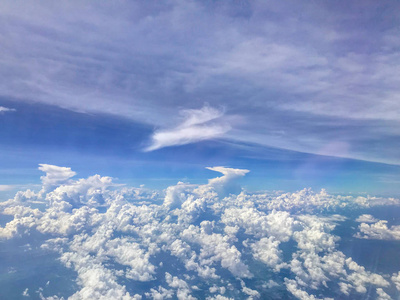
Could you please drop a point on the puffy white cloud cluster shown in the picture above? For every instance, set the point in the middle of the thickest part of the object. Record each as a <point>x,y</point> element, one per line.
<point>396,280</point>
<point>308,201</point>
<point>366,219</point>
<point>55,176</point>
<point>193,241</point>
<point>317,263</point>
<point>378,231</point>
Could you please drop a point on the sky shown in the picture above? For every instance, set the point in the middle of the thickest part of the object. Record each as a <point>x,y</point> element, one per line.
<point>187,150</point>
<point>303,94</point>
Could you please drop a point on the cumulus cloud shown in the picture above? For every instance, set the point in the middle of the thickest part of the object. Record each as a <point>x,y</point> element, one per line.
<point>378,231</point>
<point>366,219</point>
<point>293,288</point>
<point>267,251</point>
<point>54,175</point>
<point>396,280</point>
<point>187,242</point>
<point>382,295</point>
<point>197,125</point>
<point>227,183</point>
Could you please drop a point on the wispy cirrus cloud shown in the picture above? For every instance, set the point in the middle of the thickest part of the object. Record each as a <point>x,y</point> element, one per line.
<point>320,78</point>
<point>197,125</point>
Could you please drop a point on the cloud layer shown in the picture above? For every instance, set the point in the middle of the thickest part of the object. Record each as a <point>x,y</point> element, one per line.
<point>192,242</point>
<point>299,83</point>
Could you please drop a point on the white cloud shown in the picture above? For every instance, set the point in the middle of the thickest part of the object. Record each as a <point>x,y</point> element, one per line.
<point>216,247</point>
<point>253,294</point>
<point>396,280</point>
<point>25,293</point>
<point>198,125</point>
<point>360,277</point>
<point>318,261</point>
<point>267,251</point>
<point>378,231</point>
<point>277,223</point>
<point>292,287</point>
<point>54,175</point>
<point>90,191</point>
<point>129,253</point>
<point>366,219</point>
<point>193,243</point>
<point>382,295</point>
<point>183,290</point>
<point>226,184</point>
<point>315,236</point>
<point>4,187</point>
<point>229,174</point>
<point>160,293</point>
<point>181,195</point>
<point>218,297</point>
<point>5,109</point>
<point>177,194</point>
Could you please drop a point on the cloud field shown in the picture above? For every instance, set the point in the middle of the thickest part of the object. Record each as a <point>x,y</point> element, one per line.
<point>210,241</point>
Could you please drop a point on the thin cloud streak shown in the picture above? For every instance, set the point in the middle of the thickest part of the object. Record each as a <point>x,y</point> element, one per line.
<point>6,187</point>
<point>6,109</point>
<point>201,124</point>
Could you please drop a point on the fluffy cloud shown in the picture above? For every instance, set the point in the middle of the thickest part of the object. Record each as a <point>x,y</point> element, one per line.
<point>226,184</point>
<point>382,295</point>
<point>55,176</point>
<point>183,290</point>
<point>366,219</point>
<point>317,262</point>
<point>396,280</point>
<point>378,231</point>
<point>292,287</point>
<point>189,242</point>
<point>267,251</point>
<point>216,247</point>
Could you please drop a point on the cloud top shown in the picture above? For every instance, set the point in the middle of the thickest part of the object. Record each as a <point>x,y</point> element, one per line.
<point>121,241</point>
<point>55,175</point>
<point>227,183</point>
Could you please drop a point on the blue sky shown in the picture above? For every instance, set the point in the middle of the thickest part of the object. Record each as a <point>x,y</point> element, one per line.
<point>300,94</point>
